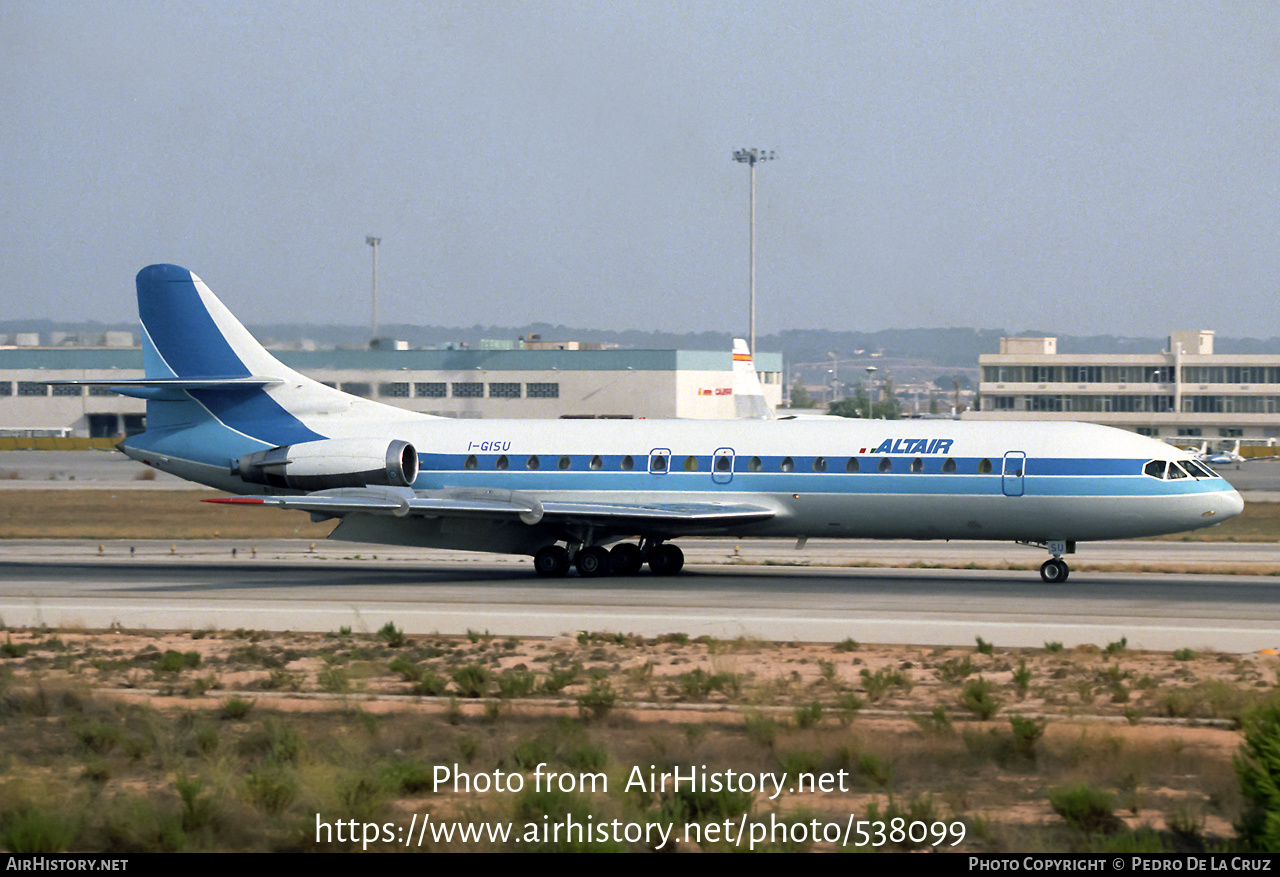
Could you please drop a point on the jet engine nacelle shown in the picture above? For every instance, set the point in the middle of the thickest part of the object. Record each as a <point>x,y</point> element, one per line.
<point>331,463</point>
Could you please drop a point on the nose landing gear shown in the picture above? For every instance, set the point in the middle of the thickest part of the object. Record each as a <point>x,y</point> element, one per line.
<point>1054,571</point>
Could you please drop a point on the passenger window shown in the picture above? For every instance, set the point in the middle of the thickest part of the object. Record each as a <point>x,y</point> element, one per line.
<point>627,464</point>
<point>1155,469</point>
<point>851,464</point>
<point>885,465</point>
<point>949,466</point>
<point>532,462</point>
<point>917,465</point>
<point>470,461</point>
<point>787,464</point>
<point>984,466</point>
<point>754,464</point>
<point>596,463</point>
<point>691,464</point>
<point>722,464</point>
<point>501,462</point>
<point>658,463</point>
<point>564,463</point>
<point>819,464</point>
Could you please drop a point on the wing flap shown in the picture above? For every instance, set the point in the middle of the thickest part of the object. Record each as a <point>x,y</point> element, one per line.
<point>402,502</point>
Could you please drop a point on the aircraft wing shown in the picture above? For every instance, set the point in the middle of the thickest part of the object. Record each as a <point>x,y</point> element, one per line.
<point>494,503</point>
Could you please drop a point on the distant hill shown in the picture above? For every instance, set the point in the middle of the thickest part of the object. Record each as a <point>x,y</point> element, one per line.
<point>946,348</point>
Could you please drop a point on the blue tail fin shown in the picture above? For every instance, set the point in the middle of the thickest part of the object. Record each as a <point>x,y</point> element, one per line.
<point>203,365</point>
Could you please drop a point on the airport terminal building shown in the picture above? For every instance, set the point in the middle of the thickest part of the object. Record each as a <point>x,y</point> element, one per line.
<point>1185,394</point>
<point>469,383</point>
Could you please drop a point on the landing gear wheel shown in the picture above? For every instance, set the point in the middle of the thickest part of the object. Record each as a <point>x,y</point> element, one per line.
<point>626,559</point>
<point>551,561</point>
<point>666,560</point>
<point>593,561</point>
<point>1054,571</point>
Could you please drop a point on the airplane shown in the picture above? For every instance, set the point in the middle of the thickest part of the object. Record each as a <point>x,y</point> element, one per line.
<point>1223,456</point>
<point>609,496</point>
<point>748,394</point>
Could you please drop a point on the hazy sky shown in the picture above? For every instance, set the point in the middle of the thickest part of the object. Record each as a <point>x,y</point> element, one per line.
<point>1073,166</point>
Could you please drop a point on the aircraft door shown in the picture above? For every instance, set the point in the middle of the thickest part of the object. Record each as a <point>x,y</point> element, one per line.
<point>1015,470</point>
<point>722,466</point>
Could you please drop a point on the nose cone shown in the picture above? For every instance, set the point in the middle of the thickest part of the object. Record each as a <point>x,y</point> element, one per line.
<point>1222,507</point>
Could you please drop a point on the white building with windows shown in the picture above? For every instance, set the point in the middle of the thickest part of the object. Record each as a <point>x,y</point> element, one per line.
<point>1184,394</point>
<point>468,383</point>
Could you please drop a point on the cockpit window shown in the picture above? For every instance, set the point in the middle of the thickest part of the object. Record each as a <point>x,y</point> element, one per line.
<point>1175,471</point>
<point>1155,469</point>
<point>1199,470</point>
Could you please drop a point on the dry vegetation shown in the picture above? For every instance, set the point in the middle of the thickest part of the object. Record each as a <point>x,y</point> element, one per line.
<point>121,741</point>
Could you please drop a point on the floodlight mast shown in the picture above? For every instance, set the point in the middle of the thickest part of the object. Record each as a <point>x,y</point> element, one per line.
<point>373,321</point>
<point>750,157</point>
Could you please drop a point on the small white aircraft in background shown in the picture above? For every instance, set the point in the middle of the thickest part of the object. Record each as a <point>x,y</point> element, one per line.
<point>749,402</point>
<point>1224,456</point>
<point>608,497</point>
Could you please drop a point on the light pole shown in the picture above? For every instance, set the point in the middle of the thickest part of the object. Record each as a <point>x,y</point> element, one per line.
<point>871,405</point>
<point>373,322</point>
<point>749,157</point>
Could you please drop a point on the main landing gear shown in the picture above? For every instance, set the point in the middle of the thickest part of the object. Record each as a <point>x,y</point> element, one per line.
<point>624,559</point>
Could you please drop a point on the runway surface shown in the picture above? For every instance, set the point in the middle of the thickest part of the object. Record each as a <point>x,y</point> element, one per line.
<point>287,586</point>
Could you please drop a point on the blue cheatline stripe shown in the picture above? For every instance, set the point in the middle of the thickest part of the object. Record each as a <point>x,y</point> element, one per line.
<point>805,464</point>
<point>439,470</point>
<point>180,326</point>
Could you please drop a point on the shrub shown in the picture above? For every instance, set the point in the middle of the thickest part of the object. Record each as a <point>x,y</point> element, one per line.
<point>9,650</point>
<point>334,680</point>
<point>409,671</point>
<point>559,679</point>
<point>1085,807</point>
<point>879,682</point>
<point>430,684</point>
<point>954,670</point>
<point>516,683</point>
<point>392,635</point>
<point>1184,655</point>
<point>236,708</point>
<point>808,716</point>
<point>472,680</point>
<point>1022,679</point>
<point>1258,768</point>
<point>598,700</point>
<point>761,728</point>
<point>1025,734</point>
<point>848,644</point>
<point>978,699</point>
<point>985,648</point>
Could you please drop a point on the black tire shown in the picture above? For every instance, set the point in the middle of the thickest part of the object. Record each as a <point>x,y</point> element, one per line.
<point>626,559</point>
<point>593,562</point>
<point>666,560</point>
<point>1054,571</point>
<point>551,561</point>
